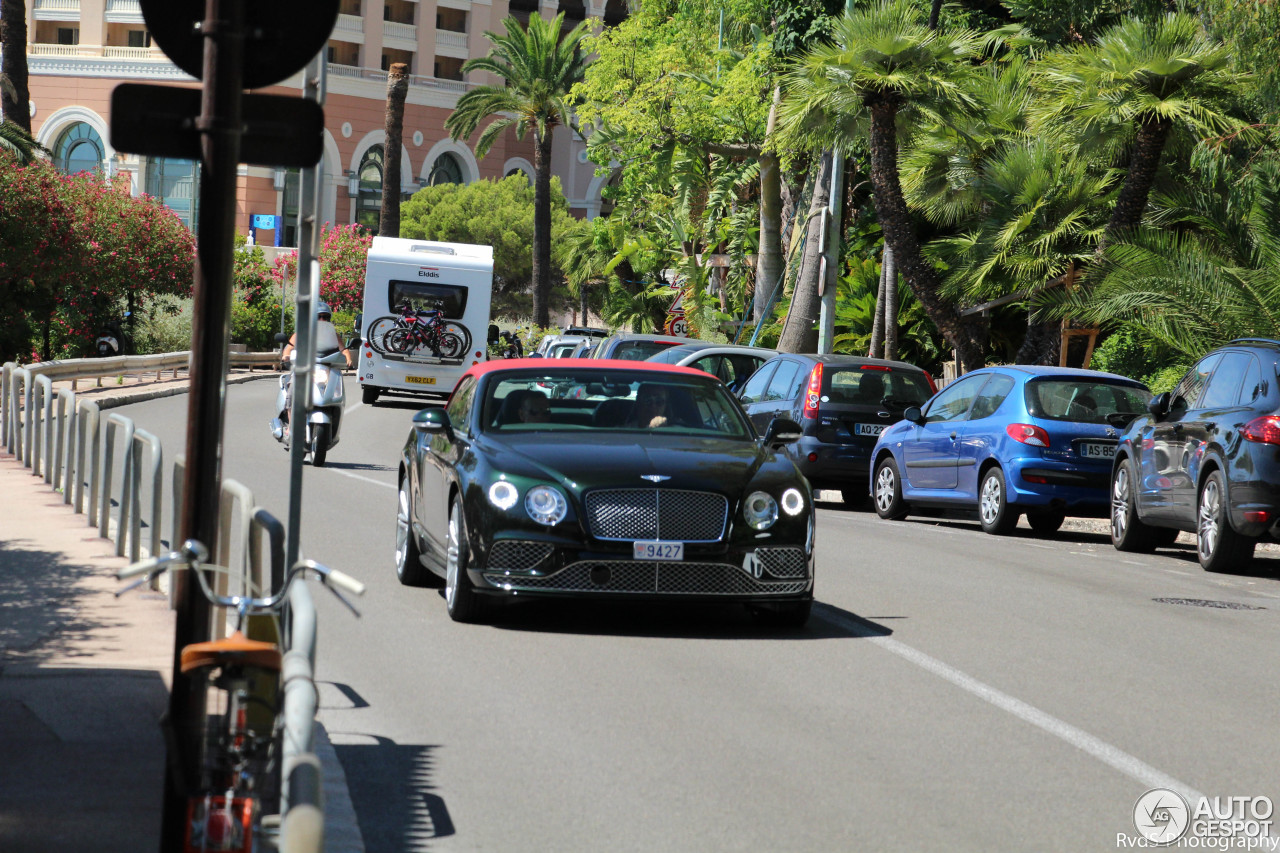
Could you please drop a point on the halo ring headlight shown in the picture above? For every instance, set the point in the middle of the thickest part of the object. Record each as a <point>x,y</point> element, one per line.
<point>760,510</point>
<point>503,495</point>
<point>792,502</point>
<point>546,505</point>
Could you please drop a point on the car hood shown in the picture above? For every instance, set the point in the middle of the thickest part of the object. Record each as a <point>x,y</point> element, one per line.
<point>583,462</point>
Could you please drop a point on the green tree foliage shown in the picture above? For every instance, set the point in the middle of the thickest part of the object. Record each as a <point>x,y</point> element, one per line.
<point>76,252</point>
<point>489,213</point>
<point>539,66</point>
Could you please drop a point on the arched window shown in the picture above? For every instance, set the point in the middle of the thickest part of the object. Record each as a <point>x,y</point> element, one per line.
<point>521,172</point>
<point>174,182</point>
<point>446,170</point>
<point>79,149</point>
<point>369,202</point>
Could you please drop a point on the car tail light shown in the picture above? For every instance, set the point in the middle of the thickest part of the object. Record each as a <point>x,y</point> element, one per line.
<point>1265,430</point>
<point>813,393</point>
<point>883,367</point>
<point>1028,434</point>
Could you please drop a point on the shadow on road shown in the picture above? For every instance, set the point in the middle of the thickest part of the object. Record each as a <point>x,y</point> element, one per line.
<point>394,797</point>
<point>673,621</point>
<point>357,466</point>
<point>413,405</point>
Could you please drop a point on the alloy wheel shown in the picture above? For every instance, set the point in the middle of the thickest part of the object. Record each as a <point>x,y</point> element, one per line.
<point>451,560</point>
<point>1120,504</point>
<point>990,499</point>
<point>886,487</point>
<point>1208,521</point>
<point>402,528</point>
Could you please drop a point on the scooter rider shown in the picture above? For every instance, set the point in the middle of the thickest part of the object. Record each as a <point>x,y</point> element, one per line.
<point>327,341</point>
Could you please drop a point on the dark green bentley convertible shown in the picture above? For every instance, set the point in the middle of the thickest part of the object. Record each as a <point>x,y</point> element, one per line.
<point>604,479</point>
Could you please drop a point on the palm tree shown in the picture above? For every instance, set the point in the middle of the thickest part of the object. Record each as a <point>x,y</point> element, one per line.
<point>18,142</point>
<point>1147,79</point>
<point>538,68</point>
<point>885,62</point>
<point>14,94</point>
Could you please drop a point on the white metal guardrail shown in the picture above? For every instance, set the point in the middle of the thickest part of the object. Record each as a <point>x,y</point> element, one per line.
<point>64,441</point>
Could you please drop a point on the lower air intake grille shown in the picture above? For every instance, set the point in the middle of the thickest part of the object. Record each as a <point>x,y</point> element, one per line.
<point>783,562</point>
<point>515,556</point>
<point>634,576</point>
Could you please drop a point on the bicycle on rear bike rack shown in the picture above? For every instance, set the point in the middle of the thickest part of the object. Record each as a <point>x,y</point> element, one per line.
<point>240,745</point>
<point>412,331</point>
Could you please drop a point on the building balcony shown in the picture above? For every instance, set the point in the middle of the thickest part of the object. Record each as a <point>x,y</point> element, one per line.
<point>451,44</point>
<point>56,10</point>
<point>124,12</point>
<point>399,36</point>
<point>377,75</point>
<point>349,28</point>
<point>96,50</point>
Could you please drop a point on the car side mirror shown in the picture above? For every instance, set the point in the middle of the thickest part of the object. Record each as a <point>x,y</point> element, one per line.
<point>433,420</point>
<point>1159,405</point>
<point>914,414</point>
<point>782,431</point>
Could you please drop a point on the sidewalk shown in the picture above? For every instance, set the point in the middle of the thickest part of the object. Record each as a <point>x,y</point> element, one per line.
<point>84,678</point>
<point>83,682</point>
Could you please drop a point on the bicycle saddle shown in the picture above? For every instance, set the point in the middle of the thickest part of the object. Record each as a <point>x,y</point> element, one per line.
<point>236,649</point>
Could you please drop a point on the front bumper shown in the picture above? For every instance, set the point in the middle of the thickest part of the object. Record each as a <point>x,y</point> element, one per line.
<point>773,572</point>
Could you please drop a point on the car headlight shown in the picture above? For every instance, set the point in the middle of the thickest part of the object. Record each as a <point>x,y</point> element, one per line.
<point>792,502</point>
<point>546,505</point>
<point>503,495</point>
<point>760,510</point>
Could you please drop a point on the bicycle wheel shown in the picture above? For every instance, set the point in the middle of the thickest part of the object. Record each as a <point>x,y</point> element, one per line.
<point>463,335</point>
<point>398,342</point>
<point>450,345</point>
<point>376,332</point>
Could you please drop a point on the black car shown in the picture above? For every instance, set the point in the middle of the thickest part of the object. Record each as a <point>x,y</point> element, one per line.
<point>842,403</point>
<point>639,481</point>
<point>1205,459</point>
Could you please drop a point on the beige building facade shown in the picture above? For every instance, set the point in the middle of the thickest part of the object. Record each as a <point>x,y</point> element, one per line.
<point>79,50</point>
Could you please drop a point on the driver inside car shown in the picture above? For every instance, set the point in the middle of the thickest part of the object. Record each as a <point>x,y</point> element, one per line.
<point>652,407</point>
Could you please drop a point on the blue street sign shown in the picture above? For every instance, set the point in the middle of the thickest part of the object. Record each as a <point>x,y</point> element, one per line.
<point>264,220</point>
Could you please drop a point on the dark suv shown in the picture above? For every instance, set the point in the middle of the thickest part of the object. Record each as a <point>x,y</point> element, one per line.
<point>1206,459</point>
<point>843,403</point>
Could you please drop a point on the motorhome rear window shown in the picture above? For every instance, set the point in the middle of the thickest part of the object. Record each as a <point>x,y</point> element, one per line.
<point>449,298</point>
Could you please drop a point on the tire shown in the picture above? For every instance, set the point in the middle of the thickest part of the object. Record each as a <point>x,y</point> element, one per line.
<point>369,394</point>
<point>409,568</point>
<point>995,513</point>
<point>461,599</point>
<point>464,335</point>
<point>1046,521</point>
<point>1164,537</point>
<point>854,498</point>
<point>450,345</point>
<point>1128,532</point>
<point>888,491</point>
<point>1218,545</point>
<point>320,445</point>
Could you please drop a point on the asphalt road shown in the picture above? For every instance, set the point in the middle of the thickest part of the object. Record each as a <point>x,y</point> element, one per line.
<point>953,691</point>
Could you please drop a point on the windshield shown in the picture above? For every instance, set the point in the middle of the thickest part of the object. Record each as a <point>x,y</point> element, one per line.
<point>638,350</point>
<point>612,402</point>
<point>1084,400</point>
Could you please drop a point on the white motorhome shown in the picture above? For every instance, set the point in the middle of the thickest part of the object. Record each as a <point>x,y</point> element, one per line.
<point>406,350</point>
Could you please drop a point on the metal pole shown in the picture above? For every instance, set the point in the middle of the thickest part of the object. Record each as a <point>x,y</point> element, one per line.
<point>304,318</point>
<point>831,257</point>
<point>219,126</point>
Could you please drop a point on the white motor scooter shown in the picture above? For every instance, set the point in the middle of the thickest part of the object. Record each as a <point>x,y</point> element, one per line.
<point>328,397</point>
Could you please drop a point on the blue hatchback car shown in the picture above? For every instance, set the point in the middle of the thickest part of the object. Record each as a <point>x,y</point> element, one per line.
<point>1007,441</point>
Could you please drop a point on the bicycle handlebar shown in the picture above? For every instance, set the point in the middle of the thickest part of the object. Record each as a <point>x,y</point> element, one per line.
<point>193,555</point>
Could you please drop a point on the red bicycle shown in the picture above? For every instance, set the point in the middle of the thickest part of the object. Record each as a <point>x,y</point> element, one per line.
<point>414,330</point>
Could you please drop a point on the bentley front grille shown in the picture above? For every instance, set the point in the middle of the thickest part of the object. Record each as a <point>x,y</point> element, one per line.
<point>637,576</point>
<point>783,562</point>
<point>668,514</point>
<point>513,555</point>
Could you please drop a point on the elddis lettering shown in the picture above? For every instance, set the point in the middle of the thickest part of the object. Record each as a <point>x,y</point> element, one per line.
<point>428,274</point>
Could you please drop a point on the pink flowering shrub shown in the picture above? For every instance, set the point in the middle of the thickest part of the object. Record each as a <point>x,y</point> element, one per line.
<point>343,251</point>
<point>76,252</point>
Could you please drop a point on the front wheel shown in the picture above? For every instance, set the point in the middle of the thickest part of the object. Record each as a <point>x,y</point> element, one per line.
<point>460,597</point>
<point>888,490</point>
<point>1128,532</point>
<point>320,444</point>
<point>1218,545</point>
<point>994,512</point>
<point>409,568</point>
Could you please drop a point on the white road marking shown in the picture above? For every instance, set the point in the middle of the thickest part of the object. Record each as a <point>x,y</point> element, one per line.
<point>349,409</point>
<point>1133,563</point>
<point>358,477</point>
<point>1110,755</point>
